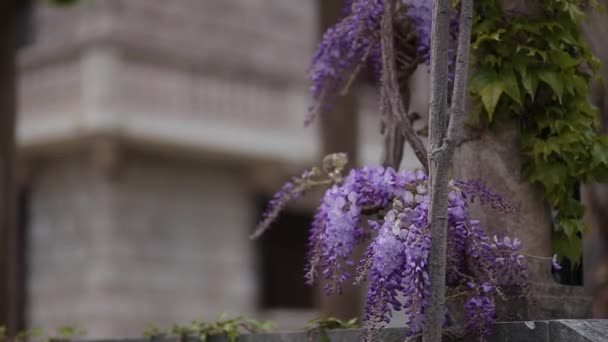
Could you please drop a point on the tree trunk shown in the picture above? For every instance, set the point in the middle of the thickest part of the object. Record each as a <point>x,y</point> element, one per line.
<point>9,291</point>
<point>339,129</point>
<point>595,196</point>
<point>442,143</point>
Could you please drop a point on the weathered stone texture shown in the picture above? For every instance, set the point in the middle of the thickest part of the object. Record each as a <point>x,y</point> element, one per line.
<point>494,158</point>
<point>160,243</point>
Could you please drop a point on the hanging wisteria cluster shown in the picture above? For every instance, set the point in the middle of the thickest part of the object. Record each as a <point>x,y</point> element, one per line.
<point>354,42</point>
<point>387,210</point>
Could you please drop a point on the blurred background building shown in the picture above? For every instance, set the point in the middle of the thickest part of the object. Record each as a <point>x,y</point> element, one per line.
<point>150,135</point>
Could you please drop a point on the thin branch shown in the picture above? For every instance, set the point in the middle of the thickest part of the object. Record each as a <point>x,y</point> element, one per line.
<point>390,87</point>
<point>462,70</point>
<point>455,296</point>
<point>355,73</point>
<point>438,175</point>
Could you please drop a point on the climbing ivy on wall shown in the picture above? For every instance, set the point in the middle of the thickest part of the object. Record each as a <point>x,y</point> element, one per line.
<point>538,69</point>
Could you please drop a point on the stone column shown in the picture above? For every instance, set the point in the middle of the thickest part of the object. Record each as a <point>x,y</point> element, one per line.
<point>494,157</point>
<point>595,196</point>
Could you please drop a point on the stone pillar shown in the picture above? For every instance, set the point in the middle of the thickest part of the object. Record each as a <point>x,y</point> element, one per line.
<point>595,196</point>
<point>494,158</point>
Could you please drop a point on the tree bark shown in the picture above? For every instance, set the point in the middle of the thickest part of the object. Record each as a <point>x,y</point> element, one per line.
<point>339,133</point>
<point>442,140</point>
<point>8,232</point>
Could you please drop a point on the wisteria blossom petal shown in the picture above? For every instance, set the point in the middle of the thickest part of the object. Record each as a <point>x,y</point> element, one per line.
<point>556,265</point>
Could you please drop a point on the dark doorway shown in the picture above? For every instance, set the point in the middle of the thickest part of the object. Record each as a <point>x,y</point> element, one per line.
<point>282,251</point>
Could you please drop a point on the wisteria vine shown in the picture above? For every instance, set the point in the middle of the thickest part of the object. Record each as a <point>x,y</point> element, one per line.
<point>354,42</point>
<point>387,210</point>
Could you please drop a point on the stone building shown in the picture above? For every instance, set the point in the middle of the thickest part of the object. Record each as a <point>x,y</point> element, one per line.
<point>148,132</point>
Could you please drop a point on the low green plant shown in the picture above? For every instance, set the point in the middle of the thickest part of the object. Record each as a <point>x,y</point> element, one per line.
<point>68,332</point>
<point>63,333</point>
<point>230,327</point>
<point>322,325</point>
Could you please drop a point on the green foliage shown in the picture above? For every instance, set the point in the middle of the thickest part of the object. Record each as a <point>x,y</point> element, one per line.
<point>69,332</point>
<point>323,324</point>
<point>231,327</point>
<point>64,333</point>
<point>538,68</point>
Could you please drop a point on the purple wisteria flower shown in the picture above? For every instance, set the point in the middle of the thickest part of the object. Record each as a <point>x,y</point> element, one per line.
<point>474,189</point>
<point>480,312</point>
<point>555,264</point>
<point>354,42</point>
<point>290,190</point>
<point>420,13</point>
<point>388,210</point>
<point>344,48</point>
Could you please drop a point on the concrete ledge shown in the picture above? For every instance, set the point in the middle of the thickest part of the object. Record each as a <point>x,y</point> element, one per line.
<point>532,331</point>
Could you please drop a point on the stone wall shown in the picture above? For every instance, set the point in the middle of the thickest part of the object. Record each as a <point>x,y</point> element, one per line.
<point>160,242</point>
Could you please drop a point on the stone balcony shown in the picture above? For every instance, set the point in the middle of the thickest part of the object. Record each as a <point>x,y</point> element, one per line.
<point>160,75</point>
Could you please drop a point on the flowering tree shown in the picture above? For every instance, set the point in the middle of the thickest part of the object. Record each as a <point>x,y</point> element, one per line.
<point>415,224</point>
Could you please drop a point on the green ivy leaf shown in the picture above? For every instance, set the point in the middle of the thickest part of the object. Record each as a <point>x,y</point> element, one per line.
<point>554,81</point>
<point>550,175</point>
<point>494,36</point>
<point>530,83</point>
<point>599,153</point>
<point>511,87</point>
<point>480,79</point>
<point>563,59</point>
<point>579,85</point>
<point>575,13</point>
<point>490,95</point>
<point>569,227</point>
<point>532,51</point>
<point>489,86</point>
